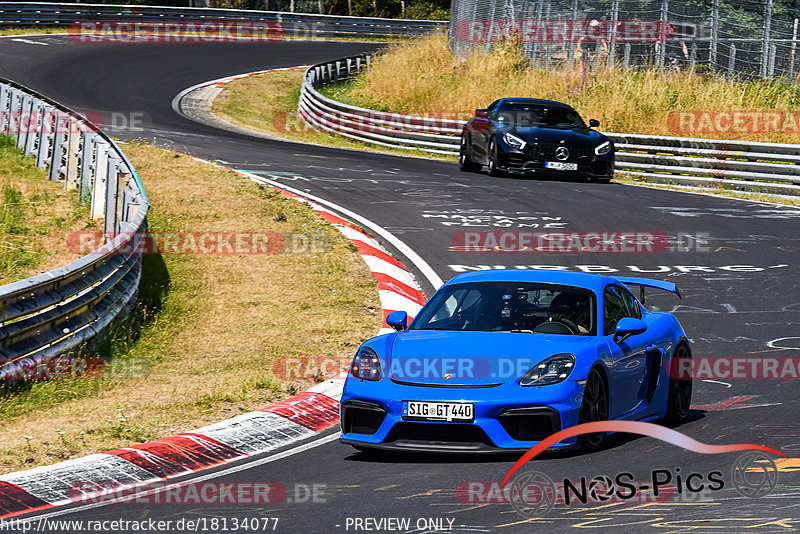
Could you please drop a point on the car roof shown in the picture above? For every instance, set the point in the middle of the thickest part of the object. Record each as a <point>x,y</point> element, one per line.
<point>537,101</point>
<point>595,282</point>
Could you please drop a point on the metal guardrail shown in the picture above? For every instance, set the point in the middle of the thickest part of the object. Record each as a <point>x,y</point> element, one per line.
<point>15,14</point>
<point>55,312</point>
<point>745,165</point>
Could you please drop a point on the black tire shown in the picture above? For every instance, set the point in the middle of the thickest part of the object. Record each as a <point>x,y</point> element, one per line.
<point>679,396</point>
<point>603,180</point>
<point>594,407</point>
<point>465,162</point>
<point>492,159</point>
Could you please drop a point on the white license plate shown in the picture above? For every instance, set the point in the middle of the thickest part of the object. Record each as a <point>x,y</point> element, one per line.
<point>438,411</point>
<point>560,166</point>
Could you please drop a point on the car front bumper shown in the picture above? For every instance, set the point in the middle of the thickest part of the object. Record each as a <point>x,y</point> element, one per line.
<point>504,419</point>
<point>522,162</point>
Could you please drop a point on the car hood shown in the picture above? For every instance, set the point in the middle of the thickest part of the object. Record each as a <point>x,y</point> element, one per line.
<point>427,356</point>
<point>557,135</point>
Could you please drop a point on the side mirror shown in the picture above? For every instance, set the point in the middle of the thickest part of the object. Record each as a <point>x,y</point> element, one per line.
<point>627,327</point>
<point>594,123</point>
<point>397,320</point>
<point>482,113</point>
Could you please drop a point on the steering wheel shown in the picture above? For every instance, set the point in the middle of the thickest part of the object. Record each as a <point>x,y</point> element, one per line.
<point>569,324</point>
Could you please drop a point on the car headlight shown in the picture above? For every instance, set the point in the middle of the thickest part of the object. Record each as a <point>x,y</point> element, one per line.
<point>553,370</point>
<point>514,141</point>
<point>366,365</point>
<point>603,148</point>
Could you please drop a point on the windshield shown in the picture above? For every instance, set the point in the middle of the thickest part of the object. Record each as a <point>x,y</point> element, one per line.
<point>526,115</point>
<point>510,307</point>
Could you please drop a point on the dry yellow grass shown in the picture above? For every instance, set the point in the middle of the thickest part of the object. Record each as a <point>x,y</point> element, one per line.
<point>268,103</point>
<point>224,321</point>
<point>35,217</point>
<point>435,80</point>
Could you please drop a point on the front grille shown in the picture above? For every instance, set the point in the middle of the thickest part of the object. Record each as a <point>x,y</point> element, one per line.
<point>547,151</point>
<point>362,418</point>
<point>530,424</point>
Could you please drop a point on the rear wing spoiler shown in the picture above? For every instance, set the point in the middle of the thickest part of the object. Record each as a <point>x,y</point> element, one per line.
<point>647,282</point>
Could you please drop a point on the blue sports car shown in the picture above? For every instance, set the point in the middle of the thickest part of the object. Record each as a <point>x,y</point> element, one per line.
<point>498,360</point>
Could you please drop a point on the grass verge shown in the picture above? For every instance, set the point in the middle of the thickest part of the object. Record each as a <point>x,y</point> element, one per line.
<point>202,342</point>
<point>267,103</point>
<point>35,217</point>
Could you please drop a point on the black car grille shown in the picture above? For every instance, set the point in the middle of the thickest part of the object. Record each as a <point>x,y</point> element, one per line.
<point>547,151</point>
<point>362,417</point>
<point>530,424</point>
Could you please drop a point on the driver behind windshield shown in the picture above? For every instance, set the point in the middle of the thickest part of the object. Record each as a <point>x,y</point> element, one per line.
<point>572,310</point>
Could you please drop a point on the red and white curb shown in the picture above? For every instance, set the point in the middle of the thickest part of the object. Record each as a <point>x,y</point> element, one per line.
<point>288,421</point>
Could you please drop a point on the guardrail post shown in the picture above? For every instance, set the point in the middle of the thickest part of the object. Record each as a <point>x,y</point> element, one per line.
<point>45,136</point>
<point>732,59</point>
<point>87,168</point>
<point>338,66</point>
<point>73,153</point>
<point>32,132</point>
<point>23,117</point>
<point>4,107</point>
<point>123,184</point>
<point>60,146</point>
<point>100,177</point>
<point>626,56</point>
<point>111,196</point>
<point>794,48</point>
<point>14,105</point>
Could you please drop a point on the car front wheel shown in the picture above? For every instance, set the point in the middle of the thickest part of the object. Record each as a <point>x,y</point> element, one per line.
<point>465,162</point>
<point>679,397</point>
<point>494,170</point>
<point>594,407</point>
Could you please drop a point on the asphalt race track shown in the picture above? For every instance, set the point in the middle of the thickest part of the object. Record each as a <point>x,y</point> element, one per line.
<point>741,289</point>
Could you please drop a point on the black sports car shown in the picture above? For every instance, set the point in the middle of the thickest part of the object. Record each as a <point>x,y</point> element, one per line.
<point>529,135</point>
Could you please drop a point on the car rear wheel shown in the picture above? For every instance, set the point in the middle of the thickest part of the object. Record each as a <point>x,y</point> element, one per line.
<point>494,170</point>
<point>465,162</point>
<point>679,397</point>
<point>594,407</point>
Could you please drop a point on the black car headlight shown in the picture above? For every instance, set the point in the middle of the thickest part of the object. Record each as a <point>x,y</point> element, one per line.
<point>553,370</point>
<point>603,148</point>
<point>366,365</point>
<point>514,141</point>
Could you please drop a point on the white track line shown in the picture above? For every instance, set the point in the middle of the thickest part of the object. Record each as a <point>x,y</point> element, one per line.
<point>404,249</point>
